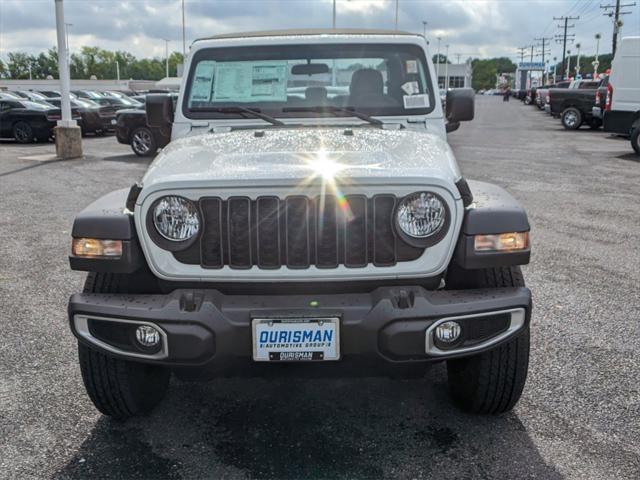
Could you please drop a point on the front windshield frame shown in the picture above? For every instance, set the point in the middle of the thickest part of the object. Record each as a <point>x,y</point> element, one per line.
<point>313,51</point>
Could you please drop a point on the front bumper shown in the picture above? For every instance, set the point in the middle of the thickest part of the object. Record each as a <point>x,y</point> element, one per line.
<point>201,327</point>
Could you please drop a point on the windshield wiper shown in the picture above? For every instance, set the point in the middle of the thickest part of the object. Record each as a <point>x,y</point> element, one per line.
<point>332,109</point>
<point>254,112</point>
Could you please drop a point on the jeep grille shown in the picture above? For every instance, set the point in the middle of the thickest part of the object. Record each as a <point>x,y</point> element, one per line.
<point>298,232</point>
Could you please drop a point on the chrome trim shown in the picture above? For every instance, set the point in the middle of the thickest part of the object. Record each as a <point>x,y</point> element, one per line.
<point>81,325</point>
<point>518,316</point>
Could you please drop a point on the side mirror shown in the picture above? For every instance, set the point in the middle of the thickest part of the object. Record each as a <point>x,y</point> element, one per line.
<point>460,106</point>
<point>159,108</point>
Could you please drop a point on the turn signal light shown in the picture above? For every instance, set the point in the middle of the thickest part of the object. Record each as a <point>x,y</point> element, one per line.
<point>94,247</point>
<point>503,242</point>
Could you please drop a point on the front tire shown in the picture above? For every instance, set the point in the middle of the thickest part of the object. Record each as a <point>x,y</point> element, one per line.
<point>571,118</point>
<point>143,143</point>
<point>119,388</point>
<point>490,382</point>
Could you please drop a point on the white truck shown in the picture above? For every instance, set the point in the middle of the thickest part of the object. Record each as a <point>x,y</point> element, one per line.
<point>307,210</point>
<point>622,108</point>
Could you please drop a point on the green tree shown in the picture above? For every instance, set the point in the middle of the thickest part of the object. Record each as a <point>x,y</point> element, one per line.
<point>19,64</point>
<point>484,71</point>
<point>443,58</point>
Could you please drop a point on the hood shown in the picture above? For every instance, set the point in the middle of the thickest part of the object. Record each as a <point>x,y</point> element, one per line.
<point>290,156</point>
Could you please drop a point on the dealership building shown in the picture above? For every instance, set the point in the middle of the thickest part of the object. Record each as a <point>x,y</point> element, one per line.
<point>460,74</point>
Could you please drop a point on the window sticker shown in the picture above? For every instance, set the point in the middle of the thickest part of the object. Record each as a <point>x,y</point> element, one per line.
<point>202,82</point>
<point>411,88</point>
<point>411,66</point>
<point>250,82</point>
<point>416,101</point>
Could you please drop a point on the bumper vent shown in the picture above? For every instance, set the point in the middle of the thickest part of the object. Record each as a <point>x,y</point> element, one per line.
<point>298,232</point>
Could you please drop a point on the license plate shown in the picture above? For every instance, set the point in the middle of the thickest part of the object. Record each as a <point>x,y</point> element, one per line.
<point>113,122</point>
<point>296,339</point>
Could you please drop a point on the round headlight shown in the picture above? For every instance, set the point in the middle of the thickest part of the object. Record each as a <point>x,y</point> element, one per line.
<point>421,214</point>
<point>176,218</point>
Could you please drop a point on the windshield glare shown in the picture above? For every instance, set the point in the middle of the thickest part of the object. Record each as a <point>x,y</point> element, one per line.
<point>288,81</point>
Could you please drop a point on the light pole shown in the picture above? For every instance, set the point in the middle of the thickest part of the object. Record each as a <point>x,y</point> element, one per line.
<point>438,62</point>
<point>334,14</point>
<point>66,33</point>
<point>568,71</point>
<point>578,61</point>
<point>184,43</point>
<point>166,54</point>
<point>446,69</point>
<point>68,134</point>
<point>596,63</point>
<point>555,63</point>
<point>117,71</point>
<point>397,1</point>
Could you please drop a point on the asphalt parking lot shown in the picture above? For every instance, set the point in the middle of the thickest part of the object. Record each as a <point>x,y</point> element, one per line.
<point>579,416</point>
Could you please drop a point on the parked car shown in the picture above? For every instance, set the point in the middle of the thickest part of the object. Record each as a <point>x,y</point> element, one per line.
<point>622,110</point>
<point>531,96</point>
<point>574,106</point>
<point>9,96</point>
<point>132,129</point>
<point>279,229</point>
<point>94,118</point>
<point>26,121</point>
<point>125,99</point>
<point>50,93</point>
<point>30,95</point>
<point>543,92</point>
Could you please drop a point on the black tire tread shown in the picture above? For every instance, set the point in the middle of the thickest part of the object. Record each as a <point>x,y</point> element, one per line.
<point>118,388</point>
<point>492,382</point>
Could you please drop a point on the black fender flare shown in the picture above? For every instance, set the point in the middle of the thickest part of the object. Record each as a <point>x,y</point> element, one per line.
<point>493,211</point>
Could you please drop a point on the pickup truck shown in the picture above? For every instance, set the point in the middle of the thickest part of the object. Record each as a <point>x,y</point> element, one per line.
<point>574,105</point>
<point>542,98</point>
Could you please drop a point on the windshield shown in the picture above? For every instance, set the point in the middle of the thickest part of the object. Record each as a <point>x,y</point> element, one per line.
<point>35,105</point>
<point>297,81</point>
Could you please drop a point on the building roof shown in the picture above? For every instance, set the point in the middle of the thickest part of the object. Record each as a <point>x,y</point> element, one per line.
<point>309,31</point>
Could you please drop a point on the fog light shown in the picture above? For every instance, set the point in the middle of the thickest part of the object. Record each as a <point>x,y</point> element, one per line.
<point>94,247</point>
<point>147,336</point>
<point>448,332</point>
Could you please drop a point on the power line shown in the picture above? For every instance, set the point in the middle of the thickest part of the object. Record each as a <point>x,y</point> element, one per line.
<point>615,14</point>
<point>565,36</point>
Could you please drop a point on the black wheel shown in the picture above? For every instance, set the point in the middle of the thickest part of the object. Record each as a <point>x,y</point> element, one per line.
<point>143,142</point>
<point>527,100</point>
<point>571,118</point>
<point>22,132</point>
<point>595,123</point>
<point>635,139</point>
<point>119,388</point>
<point>490,382</point>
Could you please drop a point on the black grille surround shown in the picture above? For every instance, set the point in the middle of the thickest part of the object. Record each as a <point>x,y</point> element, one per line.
<point>298,232</point>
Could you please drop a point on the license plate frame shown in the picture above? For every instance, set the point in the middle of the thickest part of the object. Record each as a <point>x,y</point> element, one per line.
<point>298,351</point>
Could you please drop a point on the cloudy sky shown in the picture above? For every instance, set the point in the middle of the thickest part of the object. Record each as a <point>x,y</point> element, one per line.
<point>479,28</point>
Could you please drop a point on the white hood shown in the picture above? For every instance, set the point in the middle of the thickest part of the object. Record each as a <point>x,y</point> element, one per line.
<point>276,157</point>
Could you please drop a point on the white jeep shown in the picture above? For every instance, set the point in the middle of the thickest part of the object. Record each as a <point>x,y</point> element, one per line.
<point>308,209</point>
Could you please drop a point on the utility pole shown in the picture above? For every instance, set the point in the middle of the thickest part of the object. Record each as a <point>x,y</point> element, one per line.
<point>334,14</point>
<point>458,55</point>
<point>578,61</point>
<point>521,51</point>
<point>544,41</point>
<point>617,23</point>
<point>565,37</point>
<point>117,71</point>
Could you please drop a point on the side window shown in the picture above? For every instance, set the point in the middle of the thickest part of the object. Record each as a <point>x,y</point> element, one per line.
<point>4,107</point>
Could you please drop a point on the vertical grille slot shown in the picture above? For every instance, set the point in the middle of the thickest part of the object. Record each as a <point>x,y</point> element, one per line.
<point>384,239</point>
<point>239,232</point>
<point>326,232</point>
<point>268,219</point>
<point>297,232</point>
<point>211,240</point>
<point>355,237</point>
